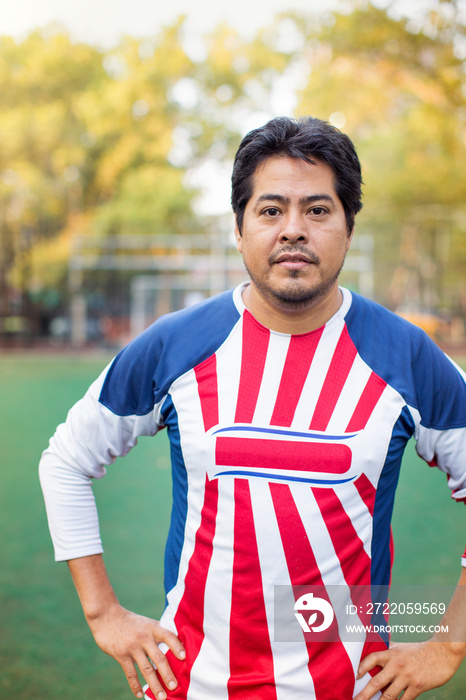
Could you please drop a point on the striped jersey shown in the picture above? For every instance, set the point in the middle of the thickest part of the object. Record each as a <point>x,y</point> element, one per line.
<point>285,453</point>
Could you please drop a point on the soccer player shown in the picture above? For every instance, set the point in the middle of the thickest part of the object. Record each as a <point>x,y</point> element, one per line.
<point>288,403</point>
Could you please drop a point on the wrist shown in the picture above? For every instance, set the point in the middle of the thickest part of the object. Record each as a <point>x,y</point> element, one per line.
<point>100,607</point>
<point>454,652</point>
<point>93,587</point>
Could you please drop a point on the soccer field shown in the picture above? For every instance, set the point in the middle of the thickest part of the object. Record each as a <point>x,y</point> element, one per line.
<point>46,649</point>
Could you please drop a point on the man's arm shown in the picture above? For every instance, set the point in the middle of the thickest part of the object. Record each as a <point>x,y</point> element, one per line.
<point>131,639</point>
<point>417,667</point>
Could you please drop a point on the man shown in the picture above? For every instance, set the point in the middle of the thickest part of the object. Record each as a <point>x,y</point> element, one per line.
<point>288,403</point>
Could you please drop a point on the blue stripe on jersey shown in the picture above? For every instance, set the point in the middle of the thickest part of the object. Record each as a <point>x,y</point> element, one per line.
<point>175,539</point>
<point>405,357</point>
<point>142,373</point>
<point>287,477</point>
<point>385,496</point>
<point>243,428</point>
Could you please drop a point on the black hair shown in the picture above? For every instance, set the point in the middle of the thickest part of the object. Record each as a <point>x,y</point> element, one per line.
<point>307,139</point>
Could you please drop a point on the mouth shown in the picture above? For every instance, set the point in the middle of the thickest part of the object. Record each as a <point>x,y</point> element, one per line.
<point>294,261</point>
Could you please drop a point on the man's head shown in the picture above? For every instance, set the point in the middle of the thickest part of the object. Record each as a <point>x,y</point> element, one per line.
<point>309,139</point>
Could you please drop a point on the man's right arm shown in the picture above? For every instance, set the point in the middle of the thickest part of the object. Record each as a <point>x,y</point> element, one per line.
<point>129,638</point>
<point>90,439</point>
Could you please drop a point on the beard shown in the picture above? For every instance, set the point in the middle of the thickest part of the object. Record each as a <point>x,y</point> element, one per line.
<point>294,294</point>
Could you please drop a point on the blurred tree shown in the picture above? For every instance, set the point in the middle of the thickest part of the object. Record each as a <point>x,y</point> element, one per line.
<point>44,164</point>
<point>99,142</point>
<point>102,141</point>
<point>397,86</point>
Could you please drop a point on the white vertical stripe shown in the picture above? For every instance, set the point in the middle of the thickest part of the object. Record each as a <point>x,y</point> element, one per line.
<point>322,545</point>
<point>350,394</point>
<point>317,373</point>
<point>275,361</point>
<point>371,445</point>
<point>228,374</point>
<point>358,513</point>
<point>188,407</point>
<point>211,669</point>
<point>326,557</point>
<point>290,659</point>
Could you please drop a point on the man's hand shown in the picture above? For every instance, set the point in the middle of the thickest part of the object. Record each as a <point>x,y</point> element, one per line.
<point>411,669</point>
<point>414,668</point>
<point>133,640</point>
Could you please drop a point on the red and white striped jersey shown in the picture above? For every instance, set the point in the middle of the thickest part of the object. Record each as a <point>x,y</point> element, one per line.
<point>286,453</point>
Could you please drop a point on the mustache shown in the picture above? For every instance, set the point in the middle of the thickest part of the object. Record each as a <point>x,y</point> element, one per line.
<point>296,248</point>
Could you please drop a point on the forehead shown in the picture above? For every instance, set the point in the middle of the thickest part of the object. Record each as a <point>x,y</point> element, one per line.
<point>282,174</point>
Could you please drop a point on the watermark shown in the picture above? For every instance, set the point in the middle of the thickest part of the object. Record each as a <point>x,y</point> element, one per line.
<point>364,613</point>
<point>311,605</point>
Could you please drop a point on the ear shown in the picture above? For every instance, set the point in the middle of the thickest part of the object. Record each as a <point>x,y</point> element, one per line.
<point>239,237</point>
<point>349,239</point>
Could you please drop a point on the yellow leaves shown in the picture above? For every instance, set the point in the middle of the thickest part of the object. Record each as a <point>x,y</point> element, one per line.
<point>48,260</point>
<point>100,131</point>
<point>151,200</point>
<point>116,161</point>
<point>223,45</point>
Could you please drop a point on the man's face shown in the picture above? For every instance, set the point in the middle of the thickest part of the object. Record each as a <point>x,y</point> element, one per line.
<point>294,236</point>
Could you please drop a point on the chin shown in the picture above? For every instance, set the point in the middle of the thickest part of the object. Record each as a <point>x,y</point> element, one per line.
<point>295,296</point>
<point>296,301</point>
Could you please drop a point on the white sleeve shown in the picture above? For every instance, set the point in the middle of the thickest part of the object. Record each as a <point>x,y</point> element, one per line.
<point>90,439</point>
<point>446,448</point>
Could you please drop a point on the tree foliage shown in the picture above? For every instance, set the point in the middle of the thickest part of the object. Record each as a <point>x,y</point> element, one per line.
<point>399,88</point>
<point>102,142</point>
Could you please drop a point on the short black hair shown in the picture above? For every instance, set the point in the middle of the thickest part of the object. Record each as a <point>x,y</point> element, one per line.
<point>309,139</point>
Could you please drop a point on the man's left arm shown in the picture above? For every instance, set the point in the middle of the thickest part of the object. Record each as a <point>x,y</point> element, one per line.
<point>415,668</point>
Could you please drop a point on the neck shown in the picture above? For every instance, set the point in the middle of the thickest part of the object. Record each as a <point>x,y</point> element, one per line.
<point>292,321</point>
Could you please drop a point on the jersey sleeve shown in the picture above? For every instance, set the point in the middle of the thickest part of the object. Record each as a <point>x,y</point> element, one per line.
<point>125,402</point>
<point>441,431</point>
<point>92,437</point>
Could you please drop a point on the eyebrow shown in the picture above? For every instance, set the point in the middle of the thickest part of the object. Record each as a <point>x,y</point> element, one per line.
<point>310,199</point>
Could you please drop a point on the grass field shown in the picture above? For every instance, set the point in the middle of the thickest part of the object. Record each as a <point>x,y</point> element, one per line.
<point>46,650</point>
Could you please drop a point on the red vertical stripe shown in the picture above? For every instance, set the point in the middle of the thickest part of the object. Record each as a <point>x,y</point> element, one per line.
<point>206,376</point>
<point>367,402</point>
<point>189,618</point>
<point>251,662</point>
<point>354,562</point>
<point>329,664</point>
<point>373,645</point>
<point>254,352</point>
<point>366,491</point>
<point>337,374</point>
<point>299,357</point>
<point>379,645</point>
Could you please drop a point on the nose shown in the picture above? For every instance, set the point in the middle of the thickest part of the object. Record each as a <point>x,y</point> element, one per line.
<point>294,229</point>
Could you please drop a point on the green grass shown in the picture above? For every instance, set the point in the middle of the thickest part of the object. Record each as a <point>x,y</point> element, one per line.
<point>46,649</point>
<point>45,646</point>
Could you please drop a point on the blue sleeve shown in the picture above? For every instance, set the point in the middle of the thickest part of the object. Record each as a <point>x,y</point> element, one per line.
<point>142,373</point>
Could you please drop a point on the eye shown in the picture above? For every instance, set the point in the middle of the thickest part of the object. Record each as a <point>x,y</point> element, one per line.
<point>271,211</point>
<point>318,211</point>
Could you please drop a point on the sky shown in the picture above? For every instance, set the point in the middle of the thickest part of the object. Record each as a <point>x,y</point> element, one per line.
<point>102,22</point>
